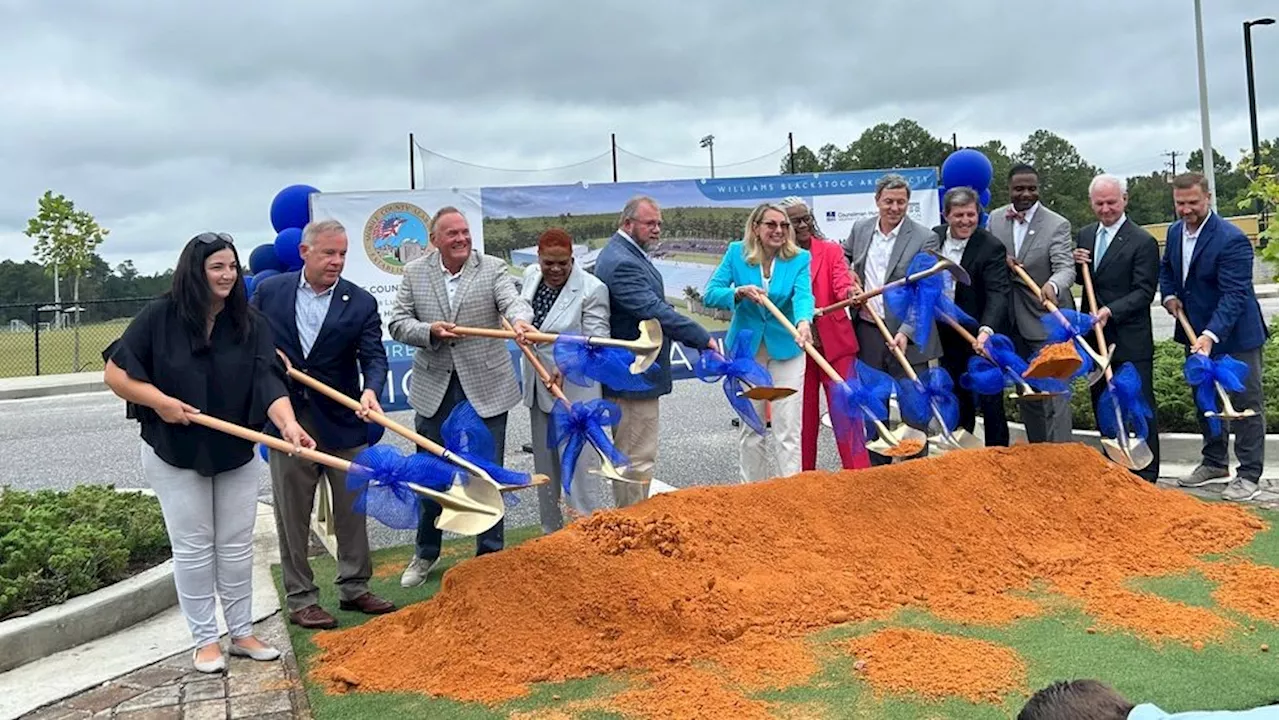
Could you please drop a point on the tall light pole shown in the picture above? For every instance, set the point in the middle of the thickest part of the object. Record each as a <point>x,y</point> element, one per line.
<point>1205,143</point>
<point>1253,107</point>
<point>709,142</point>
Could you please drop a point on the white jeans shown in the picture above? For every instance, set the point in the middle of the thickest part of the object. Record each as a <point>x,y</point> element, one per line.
<point>754,457</point>
<point>210,523</point>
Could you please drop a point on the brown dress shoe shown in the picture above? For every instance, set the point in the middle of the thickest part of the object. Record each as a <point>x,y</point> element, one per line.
<point>369,604</point>
<point>313,617</point>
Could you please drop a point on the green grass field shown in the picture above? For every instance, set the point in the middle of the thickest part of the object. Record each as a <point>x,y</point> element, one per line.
<point>57,349</point>
<point>702,258</point>
<point>1056,645</point>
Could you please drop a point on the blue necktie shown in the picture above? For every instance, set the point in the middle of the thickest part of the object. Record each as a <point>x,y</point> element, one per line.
<point>1099,246</point>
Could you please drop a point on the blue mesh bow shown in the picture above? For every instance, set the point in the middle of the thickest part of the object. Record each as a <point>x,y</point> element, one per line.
<point>1077,324</point>
<point>1125,392</point>
<point>987,378</point>
<point>579,424</point>
<point>916,399</point>
<point>915,303</point>
<point>983,377</point>
<point>743,368</point>
<point>863,396</point>
<point>380,476</point>
<point>466,436</point>
<point>1201,371</point>
<point>582,363</point>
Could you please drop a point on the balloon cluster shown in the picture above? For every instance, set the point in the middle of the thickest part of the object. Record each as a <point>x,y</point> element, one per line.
<point>968,168</point>
<point>290,212</point>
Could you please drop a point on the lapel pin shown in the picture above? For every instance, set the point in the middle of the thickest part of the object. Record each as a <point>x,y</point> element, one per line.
<point>346,298</point>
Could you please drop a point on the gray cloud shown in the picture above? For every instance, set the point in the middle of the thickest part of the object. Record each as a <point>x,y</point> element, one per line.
<point>164,119</point>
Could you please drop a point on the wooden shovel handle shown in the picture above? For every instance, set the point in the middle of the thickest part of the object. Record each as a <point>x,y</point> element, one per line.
<point>897,353</point>
<point>863,297</point>
<point>1031,285</point>
<point>274,443</point>
<point>542,337</point>
<point>540,369</point>
<point>354,405</point>
<point>808,347</point>
<point>1093,308</point>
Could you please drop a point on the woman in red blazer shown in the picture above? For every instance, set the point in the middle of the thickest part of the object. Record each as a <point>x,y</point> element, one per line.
<point>833,336</point>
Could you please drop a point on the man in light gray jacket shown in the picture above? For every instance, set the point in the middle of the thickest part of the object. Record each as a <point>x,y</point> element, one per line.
<point>1041,241</point>
<point>879,250</point>
<point>565,299</point>
<point>454,285</point>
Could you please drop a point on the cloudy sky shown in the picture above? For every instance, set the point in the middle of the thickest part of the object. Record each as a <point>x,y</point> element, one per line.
<point>168,118</point>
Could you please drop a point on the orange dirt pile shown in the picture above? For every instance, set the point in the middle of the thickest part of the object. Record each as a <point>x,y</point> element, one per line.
<point>906,448</point>
<point>715,576</point>
<point>937,666</point>
<point>1246,588</point>
<point>1059,360</point>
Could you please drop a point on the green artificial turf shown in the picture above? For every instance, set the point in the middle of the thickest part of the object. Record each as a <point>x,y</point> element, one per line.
<point>1056,645</point>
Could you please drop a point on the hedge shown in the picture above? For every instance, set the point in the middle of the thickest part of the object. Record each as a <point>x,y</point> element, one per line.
<point>1175,407</point>
<point>55,545</point>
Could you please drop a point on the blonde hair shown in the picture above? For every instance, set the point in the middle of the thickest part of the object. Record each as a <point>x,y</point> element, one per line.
<point>751,238</point>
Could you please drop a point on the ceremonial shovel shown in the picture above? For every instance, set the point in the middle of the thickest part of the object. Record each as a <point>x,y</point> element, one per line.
<point>1228,412</point>
<point>888,441</point>
<point>1132,453</point>
<point>958,439</point>
<point>1101,362</point>
<point>957,272</point>
<point>467,515</point>
<point>1025,391</point>
<point>647,347</point>
<point>607,469</point>
<point>487,492</point>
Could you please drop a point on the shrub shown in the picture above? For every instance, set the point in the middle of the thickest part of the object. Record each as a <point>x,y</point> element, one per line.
<point>1175,406</point>
<point>55,545</point>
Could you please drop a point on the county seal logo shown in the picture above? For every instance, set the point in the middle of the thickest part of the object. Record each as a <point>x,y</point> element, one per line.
<point>395,234</point>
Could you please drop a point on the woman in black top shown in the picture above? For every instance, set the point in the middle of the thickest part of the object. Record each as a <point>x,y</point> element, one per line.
<point>201,349</point>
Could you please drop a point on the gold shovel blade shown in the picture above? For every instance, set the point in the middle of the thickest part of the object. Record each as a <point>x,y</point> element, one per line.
<point>478,491</point>
<point>901,446</point>
<point>1100,364</point>
<point>1134,457</point>
<point>767,394</point>
<point>958,439</point>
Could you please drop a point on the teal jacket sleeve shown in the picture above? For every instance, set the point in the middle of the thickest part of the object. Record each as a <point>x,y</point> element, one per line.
<point>720,288</point>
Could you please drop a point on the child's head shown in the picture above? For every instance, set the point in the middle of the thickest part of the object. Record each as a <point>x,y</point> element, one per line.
<point>1076,700</point>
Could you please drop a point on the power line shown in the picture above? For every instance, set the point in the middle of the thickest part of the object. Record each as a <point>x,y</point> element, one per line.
<point>1173,163</point>
<point>588,161</point>
<point>773,152</point>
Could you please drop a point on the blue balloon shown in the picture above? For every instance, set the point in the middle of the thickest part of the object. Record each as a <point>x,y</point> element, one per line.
<point>258,278</point>
<point>291,208</point>
<point>982,220</point>
<point>264,257</point>
<point>286,246</point>
<point>967,167</point>
<point>249,282</point>
<point>984,197</point>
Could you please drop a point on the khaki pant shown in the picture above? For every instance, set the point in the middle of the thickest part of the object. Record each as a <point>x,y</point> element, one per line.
<point>636,436</point>
<point>755,460</point>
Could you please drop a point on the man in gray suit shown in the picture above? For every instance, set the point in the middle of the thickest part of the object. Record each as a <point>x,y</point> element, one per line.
<point>565,299</point>
<point>1041,240</point>
<point>453,285</point>
<point>879,250</point>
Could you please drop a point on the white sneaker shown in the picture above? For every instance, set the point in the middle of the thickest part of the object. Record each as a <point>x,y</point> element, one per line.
<point>416,572</point>
<point>1241,490</point>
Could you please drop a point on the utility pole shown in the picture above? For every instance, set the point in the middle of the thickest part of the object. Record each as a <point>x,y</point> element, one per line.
<point>1205,143</point>
<point>1173,163</point>
<point>709,142</point>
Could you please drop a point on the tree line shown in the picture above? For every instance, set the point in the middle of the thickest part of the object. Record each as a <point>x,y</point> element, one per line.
<point>1064,173</point>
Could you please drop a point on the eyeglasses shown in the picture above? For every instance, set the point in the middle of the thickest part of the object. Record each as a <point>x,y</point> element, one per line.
<point>804,220</point>
<point>775,225</point>
<point>209,237</point>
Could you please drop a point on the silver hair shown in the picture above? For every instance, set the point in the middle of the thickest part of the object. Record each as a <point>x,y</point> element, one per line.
<point>958,197</point>
<point>633,205</point>
<point>792,202</point>
<point>1105,179</point>
<point>892,181</point>
<point>319,228</point>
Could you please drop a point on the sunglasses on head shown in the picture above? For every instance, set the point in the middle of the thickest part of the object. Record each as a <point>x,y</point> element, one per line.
<point>209,237</point>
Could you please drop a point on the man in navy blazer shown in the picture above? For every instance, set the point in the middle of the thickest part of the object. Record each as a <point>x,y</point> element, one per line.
<point>1207,272</point>
<point>325,326</point>
<point>636,293</point>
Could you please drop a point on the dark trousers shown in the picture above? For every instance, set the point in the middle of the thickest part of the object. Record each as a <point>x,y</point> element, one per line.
<point>1249,432</point>
<point>955,360</point>
<point>429,536</point>
<point>1046,420</point>
<point>1151,472</point>
<point>873,351</point>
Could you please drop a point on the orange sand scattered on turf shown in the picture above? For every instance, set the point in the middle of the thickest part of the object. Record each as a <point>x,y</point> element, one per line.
<point>938,666</point>
<point>1247,588</point>
<point>696,585</point>
<point>1059,360</point>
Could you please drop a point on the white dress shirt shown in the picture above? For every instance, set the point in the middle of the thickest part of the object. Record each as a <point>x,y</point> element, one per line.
<point>1020,228</point>
<point>452,281</point>
<point>953,250</point>
<point>876,267</point>
<point>1112,231</point>
<point>1189,239</point>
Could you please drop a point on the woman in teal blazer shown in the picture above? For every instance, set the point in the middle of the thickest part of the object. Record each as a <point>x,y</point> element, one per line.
<point>767,262</point>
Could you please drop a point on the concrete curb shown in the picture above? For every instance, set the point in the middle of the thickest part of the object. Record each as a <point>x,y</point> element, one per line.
<point>88,617</point>
<point>47,385</point>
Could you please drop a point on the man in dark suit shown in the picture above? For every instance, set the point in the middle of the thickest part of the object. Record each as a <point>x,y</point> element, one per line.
<point>325,326</point>
<point>1125,263</point>
<point>1207,271</point>
<point>985,299</point>
<point>636,293</point>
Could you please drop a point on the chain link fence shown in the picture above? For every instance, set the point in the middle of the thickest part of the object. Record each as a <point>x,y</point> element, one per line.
<point>48,338</point>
